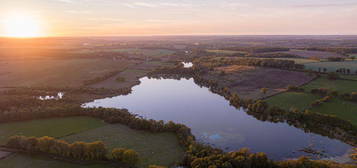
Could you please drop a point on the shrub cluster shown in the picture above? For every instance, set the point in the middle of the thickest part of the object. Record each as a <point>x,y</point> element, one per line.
<point>324,92</point>
<point>350,96</point>
<point>320,101</point>
<point>336,59</point>
<point>270,63</point>
<point>295,89</point>
<point>126,156</point>
<point>76,150</point>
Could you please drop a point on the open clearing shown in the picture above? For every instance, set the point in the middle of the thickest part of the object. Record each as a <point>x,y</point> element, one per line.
<point>248,83</point>
<point>57,127</point>
<point>333,66</point>
<point>55,72</point>
<point>343,109</point>
<point>289,100</point>
<point>341,86</point>
<point>26,161</point>
<point>129,76</point>
<point>153,148</point>
<point>313,54</point>
<point>145,52</point>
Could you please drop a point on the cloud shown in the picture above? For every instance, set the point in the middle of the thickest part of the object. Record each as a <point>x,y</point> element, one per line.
<point>65,1</point>
<point>78,11</point>
<point>326,5</point>
<point>155,5</point>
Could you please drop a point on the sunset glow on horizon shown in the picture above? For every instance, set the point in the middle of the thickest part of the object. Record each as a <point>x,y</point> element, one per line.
<point>37,18</point>
<point>21,25</point>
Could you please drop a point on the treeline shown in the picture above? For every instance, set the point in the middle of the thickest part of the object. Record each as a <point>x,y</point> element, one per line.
<point>274,55</point>
<point>257,49</point>
<point>203,156</point>
<point>341,50</point>
<point>197,155</point>
<point>326,125</point>
<point>27,99</point>
<point>49,145</point>
<point>93,151</point>
<point>336,59</point>
<point>270,63</point>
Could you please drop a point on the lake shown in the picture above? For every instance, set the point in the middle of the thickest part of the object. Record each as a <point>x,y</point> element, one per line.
<point>214,121</point>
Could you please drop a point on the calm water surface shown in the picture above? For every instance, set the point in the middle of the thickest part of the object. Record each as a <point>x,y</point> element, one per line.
<point>214,121</point>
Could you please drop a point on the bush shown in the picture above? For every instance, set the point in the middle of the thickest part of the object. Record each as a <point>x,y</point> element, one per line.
<point>76,150</point>
<point>126,156</point>
<point>295,89</point>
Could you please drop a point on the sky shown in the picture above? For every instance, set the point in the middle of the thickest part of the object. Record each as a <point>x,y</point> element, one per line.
<point>185,17</point>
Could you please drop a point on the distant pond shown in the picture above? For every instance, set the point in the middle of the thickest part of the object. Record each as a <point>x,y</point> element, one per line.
<point>214,121</point>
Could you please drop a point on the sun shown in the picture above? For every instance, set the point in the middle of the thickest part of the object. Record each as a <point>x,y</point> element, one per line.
<point>21,26</point>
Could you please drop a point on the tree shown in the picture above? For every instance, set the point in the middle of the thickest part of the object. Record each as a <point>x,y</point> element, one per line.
<point>354,155</point>
<point>126,156</point>
<point>264,90</point>
<point>130,157</point>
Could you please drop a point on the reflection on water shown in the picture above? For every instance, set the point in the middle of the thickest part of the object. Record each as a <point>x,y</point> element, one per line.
<point>59,96</point>
<point>214,121</point>
<point>187,64</point>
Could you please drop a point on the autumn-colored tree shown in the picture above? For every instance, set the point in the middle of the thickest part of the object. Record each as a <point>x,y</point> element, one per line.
<point>354,155</point>
<point>126,156</point>
<point>264,90</point>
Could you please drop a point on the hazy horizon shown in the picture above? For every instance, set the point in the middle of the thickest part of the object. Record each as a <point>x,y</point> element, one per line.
<point>183,17</point>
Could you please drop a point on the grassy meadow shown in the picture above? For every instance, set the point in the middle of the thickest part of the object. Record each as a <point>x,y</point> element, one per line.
<point>27,161</point>
<point>58,127</point>
<point>341,86</point>
<point>55,72</point>
<point>332,66</point>
<point>153,148</point>
<point>290,100</point>
<point>145,52</point>
<point>343,109</point>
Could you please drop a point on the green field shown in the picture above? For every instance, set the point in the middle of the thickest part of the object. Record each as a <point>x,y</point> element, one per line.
<point>26,161</point>
<point>349,77</point>
<point>343,109</point>
<point>158,148</point>
<point>153,148</point>
<point>341,86</point>
<point>56,72</point>
<point>332,66</point>
<point>49,127</point>
<point>288,100</point>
